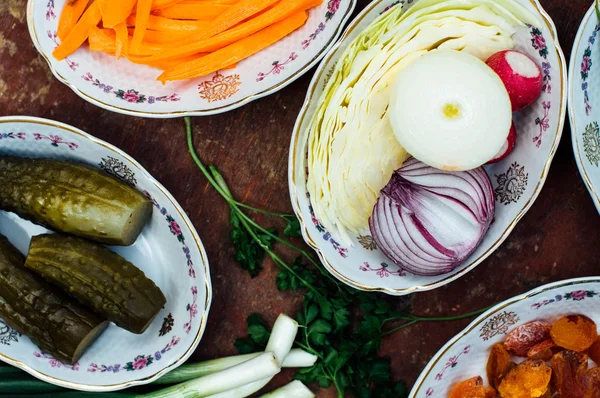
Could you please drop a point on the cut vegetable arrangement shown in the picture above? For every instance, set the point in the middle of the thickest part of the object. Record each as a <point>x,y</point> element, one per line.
<point>436,81</point>
<point>190,38</point>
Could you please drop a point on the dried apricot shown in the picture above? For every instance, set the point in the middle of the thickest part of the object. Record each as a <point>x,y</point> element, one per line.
<point>568,367</point>
<point>529,379</point>
<point>498,364</point>
<point>591,382</point>
<point>574,332</point>
<point>472,388</point>
<point>541,350</point>
<point>522,338</point>
<point>594,352</point>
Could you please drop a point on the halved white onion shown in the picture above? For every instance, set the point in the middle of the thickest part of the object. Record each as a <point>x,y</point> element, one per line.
<point>450,110</point>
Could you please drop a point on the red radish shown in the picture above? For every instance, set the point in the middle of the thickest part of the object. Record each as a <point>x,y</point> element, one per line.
<point>508,147</point>
<point>521,76</point>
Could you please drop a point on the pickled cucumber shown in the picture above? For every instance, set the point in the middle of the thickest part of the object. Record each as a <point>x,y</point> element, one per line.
<point>98,278</point>
<point>53,321</point>
<point>73,198</point>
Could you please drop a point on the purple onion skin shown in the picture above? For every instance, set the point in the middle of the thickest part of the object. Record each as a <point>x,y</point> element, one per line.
<point>410,191</point>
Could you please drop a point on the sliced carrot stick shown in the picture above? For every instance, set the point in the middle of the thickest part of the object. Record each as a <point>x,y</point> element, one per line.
<point>193,11</point>
<point>141,21</point>
<point>235,52</point>
<point>121,40</point>
<point>79,34</point>
<point>116,11</point>
<point>104,40</point>
<point>210,2</point>
<point>69,16</point>
<point>234,15</point>
<point>158,4</point>
<point>163,37</point>
<point>174,25</point>
<point>193,45</point>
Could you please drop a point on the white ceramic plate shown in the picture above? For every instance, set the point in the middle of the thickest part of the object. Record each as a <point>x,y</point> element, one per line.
<point>517,180</point>
<point>169,251</point>
<point>584,102</point>
<point>466,355</point>
<point>120,86</point>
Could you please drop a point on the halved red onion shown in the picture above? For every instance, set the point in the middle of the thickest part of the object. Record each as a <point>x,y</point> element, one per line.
<point>428,221</point>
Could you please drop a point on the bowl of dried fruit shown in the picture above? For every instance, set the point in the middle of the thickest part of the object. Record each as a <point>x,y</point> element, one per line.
<point>538,344</point>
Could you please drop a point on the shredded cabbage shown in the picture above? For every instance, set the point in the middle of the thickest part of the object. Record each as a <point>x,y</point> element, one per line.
<point>352,151</point>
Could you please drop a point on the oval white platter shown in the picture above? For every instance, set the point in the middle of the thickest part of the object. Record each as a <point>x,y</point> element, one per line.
<point>584,102</point>
<point>517,180</point>
<point>169,251</point>
<point>466,355</point>
<point>124,87</point>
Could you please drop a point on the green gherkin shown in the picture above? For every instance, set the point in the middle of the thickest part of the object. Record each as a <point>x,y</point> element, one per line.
<point>98,278</point>
<point>74,199</point>
<point>51,319</point>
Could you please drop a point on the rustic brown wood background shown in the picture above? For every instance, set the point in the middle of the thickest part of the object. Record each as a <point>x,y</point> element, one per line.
<point>557,239</point>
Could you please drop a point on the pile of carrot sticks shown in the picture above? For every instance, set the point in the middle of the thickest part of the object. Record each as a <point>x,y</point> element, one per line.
<point>183,38</point>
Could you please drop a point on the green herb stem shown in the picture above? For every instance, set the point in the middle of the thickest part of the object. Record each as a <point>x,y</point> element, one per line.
<point>218,182</point>
<point>347,354</point>
<point>268,213</point>
<point>394,330</point>
<point>221,182</point>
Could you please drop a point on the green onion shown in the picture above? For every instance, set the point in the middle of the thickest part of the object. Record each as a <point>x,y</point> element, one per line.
<point>74,394</point>
<point>261,367</point>
<point>24,384</point>
<point>280,343</point>
<point>293,390</point>
<point>243,391</point>
<point>298,358</point>
<point>9,369</point>
<point>282,337</point>
<point>200,369</point>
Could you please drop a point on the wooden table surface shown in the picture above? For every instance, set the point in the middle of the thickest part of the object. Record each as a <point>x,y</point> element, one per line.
<point>557,239</point>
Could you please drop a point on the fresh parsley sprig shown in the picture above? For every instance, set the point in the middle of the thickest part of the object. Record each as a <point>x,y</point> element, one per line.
<point>346,344</point>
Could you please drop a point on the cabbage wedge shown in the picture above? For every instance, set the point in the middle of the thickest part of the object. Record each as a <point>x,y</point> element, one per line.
<point>352,151</point>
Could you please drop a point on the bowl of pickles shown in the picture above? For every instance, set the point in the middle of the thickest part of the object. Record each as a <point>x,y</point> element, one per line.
<point>104,282</point>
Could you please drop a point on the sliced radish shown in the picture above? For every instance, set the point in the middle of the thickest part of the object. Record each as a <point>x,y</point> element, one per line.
<point>521,76</point>
<point>508,147</point>
<point>450,110</point>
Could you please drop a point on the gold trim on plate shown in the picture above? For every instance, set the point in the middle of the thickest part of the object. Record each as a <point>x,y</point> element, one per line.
<point>295,146</point>
<point>208,286</point>
<point>199,112</point>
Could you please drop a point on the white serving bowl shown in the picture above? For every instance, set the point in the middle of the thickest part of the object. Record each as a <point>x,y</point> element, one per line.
<point>169,252</point>
<point>466,355</point>
<point>124,87</point>
<point>517,180</point>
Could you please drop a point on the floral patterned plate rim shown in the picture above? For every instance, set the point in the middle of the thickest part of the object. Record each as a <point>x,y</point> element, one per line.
<point>584,94</point>
<point>133,90</point>
<point>118,359</point>
<point>466,354</point>
<point>517,180</point>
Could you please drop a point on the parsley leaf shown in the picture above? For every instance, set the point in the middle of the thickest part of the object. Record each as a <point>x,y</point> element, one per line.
<point>258,336</point>
<point>345,339</point>
<point>248,251</point>
<point>292,227</point>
